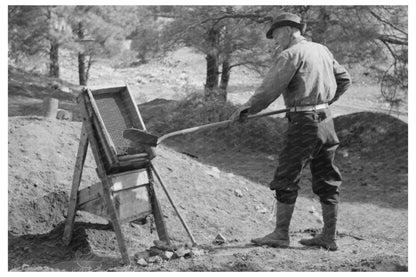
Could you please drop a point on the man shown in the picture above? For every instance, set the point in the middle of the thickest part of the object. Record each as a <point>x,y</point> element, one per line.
<point>310,79</point>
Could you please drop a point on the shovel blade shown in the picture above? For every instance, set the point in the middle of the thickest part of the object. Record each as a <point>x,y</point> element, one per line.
<point>140,136</point>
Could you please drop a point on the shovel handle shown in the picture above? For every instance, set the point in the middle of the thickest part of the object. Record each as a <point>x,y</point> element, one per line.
<point>216,124</point>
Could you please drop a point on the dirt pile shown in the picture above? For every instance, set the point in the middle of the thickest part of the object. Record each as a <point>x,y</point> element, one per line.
<point>377,136</point>
<point>213,199</point>
<point>41,160</point>
<point>39,172</point>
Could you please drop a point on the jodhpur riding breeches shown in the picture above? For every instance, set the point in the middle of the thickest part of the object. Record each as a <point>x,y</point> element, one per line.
<point>310,138</point>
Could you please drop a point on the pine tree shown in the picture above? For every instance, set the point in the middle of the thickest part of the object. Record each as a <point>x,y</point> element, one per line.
<point>38,30</point>
<point>226,35</point>
<point>99,31</point>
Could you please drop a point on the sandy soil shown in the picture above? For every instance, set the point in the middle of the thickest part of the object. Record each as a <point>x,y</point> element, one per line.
<point>372,229</point>
<point>218,189</point>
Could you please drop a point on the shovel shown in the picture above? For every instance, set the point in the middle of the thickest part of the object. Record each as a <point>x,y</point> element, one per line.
<point>143,137</point>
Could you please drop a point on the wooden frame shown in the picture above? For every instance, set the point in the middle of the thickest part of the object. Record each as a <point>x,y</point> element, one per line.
<point>120,176</point>
<point>114,160</point>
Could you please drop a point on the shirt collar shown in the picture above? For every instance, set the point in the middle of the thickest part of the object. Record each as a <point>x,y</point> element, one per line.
<point>296,41</point>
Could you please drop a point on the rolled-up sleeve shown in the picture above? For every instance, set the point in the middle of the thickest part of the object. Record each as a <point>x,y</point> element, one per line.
<point>343,80</point>
<point>274,84</point>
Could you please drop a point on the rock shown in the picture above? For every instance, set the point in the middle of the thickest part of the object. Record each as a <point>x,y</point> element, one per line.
<point>141,262</point>
<point>155,259</point>
<point>141,255</point>
<point>167,255</point>
<point>181,252</point>
<point>219,239</point>
<point>154,251</point>
<point>196,252</point>
<point>63,115</point>
<point>214,172</point>
<point>238,193</point>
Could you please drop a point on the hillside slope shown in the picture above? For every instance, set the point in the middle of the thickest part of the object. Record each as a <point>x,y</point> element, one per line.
<point>41,158</point>
<point>217,179</point>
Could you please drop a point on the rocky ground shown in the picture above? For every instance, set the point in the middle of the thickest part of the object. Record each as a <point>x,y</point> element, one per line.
<point>217,189</point>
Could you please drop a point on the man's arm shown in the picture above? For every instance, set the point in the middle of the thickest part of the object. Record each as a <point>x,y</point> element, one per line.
<point>343,80</point>
<point>273,85</point>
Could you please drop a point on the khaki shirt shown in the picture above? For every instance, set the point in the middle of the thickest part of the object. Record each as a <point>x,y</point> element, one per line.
<point>306,74</point>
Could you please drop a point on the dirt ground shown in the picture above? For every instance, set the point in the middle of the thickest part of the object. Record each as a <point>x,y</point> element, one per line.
<point>218,190</point>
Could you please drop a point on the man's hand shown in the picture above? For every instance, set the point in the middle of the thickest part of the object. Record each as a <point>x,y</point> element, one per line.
<point>239,115</point>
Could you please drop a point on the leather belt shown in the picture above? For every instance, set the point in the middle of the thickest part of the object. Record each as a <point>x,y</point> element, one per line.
<point>309,108</point>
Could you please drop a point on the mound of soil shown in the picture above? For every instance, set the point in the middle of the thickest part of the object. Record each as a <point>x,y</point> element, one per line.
<point>377,136</point>
<point>39,172</point>
<point>212,199</point>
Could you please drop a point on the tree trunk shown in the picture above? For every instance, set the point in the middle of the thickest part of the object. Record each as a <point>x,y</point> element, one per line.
<point>211,84</point>
<point>226,68</point>
<point>87,73</point>
<point>81,58</point>
<point>225,78</point>
<point>212,72</point>
<point>81,69</point>
<point>54,60</point>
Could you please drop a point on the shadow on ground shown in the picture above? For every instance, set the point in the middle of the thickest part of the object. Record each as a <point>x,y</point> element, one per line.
<point>372,158</point>
<point>48,250</point>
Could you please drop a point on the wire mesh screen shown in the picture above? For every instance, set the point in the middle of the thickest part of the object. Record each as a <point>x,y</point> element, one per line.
<point>114,111</point>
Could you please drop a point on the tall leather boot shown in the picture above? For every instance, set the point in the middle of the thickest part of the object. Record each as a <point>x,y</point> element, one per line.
<point>326,239</point>
<point>280,236</point>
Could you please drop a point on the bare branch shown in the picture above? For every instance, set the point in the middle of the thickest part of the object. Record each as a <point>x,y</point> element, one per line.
<point>389,48</point>
<point>393,40</point>
<point>258,18</point>
<point>387,22</point>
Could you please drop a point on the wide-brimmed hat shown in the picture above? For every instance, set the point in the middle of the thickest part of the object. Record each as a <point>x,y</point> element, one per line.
<point>286,19</point>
